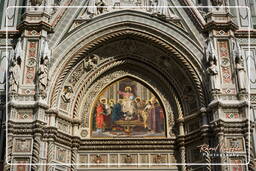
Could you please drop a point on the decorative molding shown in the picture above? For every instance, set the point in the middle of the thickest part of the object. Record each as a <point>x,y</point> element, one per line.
<point>169,48</point>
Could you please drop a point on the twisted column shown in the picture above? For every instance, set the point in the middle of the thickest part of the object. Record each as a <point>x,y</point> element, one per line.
<point>74,159</point>
<point>221,140</point>
<point>249,150</point>
<point>204,133</point>
<point>36,151</point>
<point>50,156</point>
<point>182,157</point>
<point>208,160</point>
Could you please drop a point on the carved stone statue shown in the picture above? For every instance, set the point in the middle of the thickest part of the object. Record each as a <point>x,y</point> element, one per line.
<point>91,10</point>
<point>101,6</point>
<point>67,94</point>
<point>14,75</point>
<point>239,60</point>
<point>212,69</point>
<point>161,8</point>
<point>43,76</point>
<point>213,72</point>
<point>156,7</point>
<point>219,2</point>
<point>43,70</point>
<point>91,62</point>
<point>14,69</point>
<point>36,2</point>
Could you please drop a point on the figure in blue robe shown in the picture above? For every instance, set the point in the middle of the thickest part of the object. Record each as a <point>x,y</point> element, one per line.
<point>116,112</point>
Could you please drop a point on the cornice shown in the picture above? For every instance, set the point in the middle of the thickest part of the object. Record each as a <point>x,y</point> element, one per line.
<point>25,105</point>
<point>40,25</point>
<point>245,33</point>
<point>227,104</point>
<point>213,25</point>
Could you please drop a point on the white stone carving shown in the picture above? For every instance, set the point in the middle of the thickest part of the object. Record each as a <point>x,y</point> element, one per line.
<point>67,94</point>
<point>212,61</point>
<point>14,69</point>
<point>43,76</point>
<point>156,7</point>
<point>240,69</point>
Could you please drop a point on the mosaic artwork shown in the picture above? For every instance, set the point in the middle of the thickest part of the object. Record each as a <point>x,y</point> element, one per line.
<point>127,108</point>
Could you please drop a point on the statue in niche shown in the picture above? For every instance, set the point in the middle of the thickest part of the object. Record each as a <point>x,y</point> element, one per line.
<point>239,60</point>
<point>101,6</point>
<point>157,7</point>
<point>15,69</point>
<point>43,70</point>
<point>91,10</point>
<point>161,8</point>
<point>36,2</point>
<point>14,74</point>
<point>219,2</point>
<point>91,62</point>
<point>219,5</point>
<point>43,76</point>
<point>67,94</point>
<point>212,69</point>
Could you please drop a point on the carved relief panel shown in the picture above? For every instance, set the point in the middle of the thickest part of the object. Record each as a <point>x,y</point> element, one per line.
<point>126,160</point>
<point>62,154</point>
<point>22,145</point>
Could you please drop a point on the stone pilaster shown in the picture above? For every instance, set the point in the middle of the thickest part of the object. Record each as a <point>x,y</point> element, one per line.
<point>204,134</point>
<point>181,144</point>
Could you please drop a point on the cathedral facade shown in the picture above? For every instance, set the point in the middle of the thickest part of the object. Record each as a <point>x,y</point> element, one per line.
<point>128,85</point>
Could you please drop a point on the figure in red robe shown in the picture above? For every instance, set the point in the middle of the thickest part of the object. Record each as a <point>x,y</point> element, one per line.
<point>100,116</point>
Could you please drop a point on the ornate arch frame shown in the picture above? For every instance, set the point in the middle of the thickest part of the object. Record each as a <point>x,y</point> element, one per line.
<point>173,47</point>
<point>187,59</point>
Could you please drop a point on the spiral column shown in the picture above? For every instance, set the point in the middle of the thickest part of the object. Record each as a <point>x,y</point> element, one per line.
<point>36,151</point>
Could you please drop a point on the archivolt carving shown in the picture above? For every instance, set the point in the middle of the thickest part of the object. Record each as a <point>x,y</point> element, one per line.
<point>80,55</point>
<point>103,66</point>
